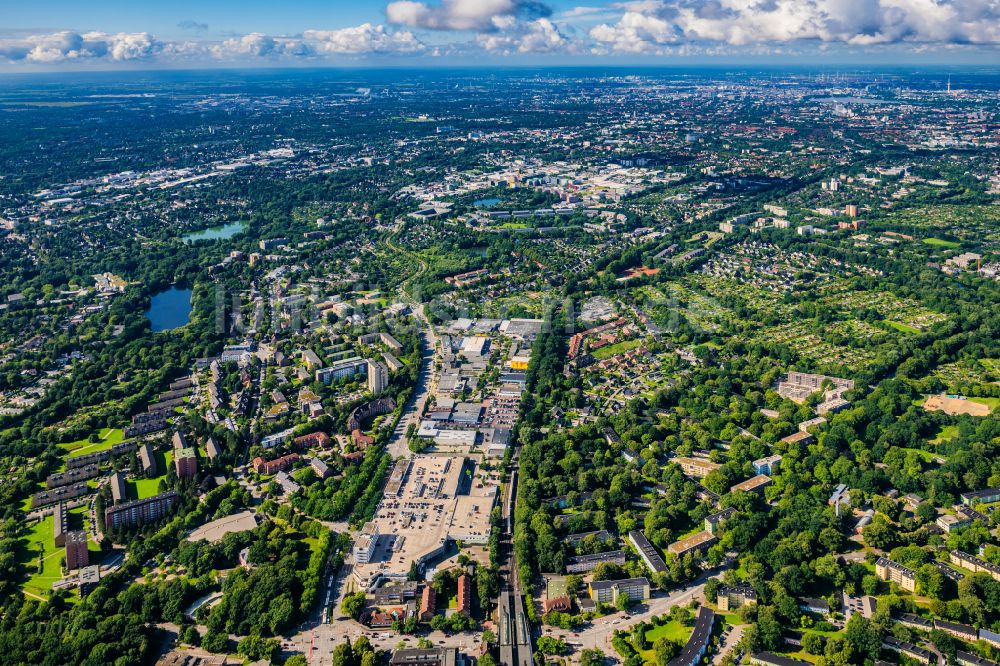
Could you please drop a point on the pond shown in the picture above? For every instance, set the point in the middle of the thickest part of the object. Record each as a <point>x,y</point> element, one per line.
<point>486,203</point>
<point>169,309</point>
<point>215,233</point>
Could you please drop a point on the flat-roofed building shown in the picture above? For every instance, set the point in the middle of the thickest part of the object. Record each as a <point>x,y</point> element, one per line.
<point>986,496</point>
<point>768,465</point>
<point>60,521</point>
<point>587,563</point>
<point>696,543</point>
<point>696,467</point>
<point>117,483</point>
<point>753,485</point>
<point>650,556</point>
<point>608,591</point>
<point>443,656</point>
<point>894,572</point>
<point>77,554</point>
<point>732,597</point>
<point>364,547</point>
<point>771,659</point>
<point>715,521</point>
<point>140,512</point>
<point>378,377</point>
<point>186,463</point>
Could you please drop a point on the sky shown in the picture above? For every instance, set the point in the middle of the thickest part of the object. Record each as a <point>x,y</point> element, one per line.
<point>57,35</point>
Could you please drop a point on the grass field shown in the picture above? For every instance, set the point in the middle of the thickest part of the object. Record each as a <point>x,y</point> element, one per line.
<point>143,488</point>
<point>902,327</point>
<point>992,403</point>
<point>617,348</point>
<point>672,630</point>
<point>107,437</point>
<point>940,242</point>
<point>946,434</point>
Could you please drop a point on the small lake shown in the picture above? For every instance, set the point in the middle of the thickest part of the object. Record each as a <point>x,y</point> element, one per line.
<point>215,233</point>
<point>169,309</point>
<point>486,203</point>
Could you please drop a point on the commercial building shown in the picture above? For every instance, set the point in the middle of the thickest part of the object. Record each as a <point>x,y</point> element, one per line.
<point>696,543</point>
<point>736,596</point>
<point>364,548</point>
<point>650,556</point>
<point>378,377</point>
<point>608,591</point>
<point>894,572</point>
<point>77,555</point>
<point>140,512</point>
<point>425,657</point>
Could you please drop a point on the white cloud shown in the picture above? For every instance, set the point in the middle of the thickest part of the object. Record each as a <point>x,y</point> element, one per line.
<point>480,15</point>
<point>365,38</point>
<point>69,46</point>
<point>648,25</point>
<point>530,37</point>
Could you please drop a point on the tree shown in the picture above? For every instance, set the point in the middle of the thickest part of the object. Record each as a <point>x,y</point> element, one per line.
<point>622,602</point>
<point>487,660</point>
<point>862,636</point>
<point>215,641</point>
<point>343,654</point>
<point>548,645</point>
<point>592,657</point>
<point>297,660</point>
<point>812,643</point>
<point>191,636</point>
<point>665,650</point>
<point>353,605</point>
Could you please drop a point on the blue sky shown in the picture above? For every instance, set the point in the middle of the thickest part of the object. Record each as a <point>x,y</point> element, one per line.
<point>102,34</point>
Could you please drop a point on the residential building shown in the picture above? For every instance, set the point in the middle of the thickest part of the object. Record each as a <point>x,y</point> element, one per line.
<point>321,469</point>
<point>986,496</point>
<point>753,485</point>
<point>140,512</point>
<point>117,483</point>
<point>697,644</point>
<point>696,543</point>
<point>342,370</point>
<point>270,467</point>
<point>732,597</point>
<point>817,606</point>
<point>974,564</point>
<point>427,604</point>
<point>650,556</point>
<point>908,649</point>
<point>608,591</point>
<point>60,521</point>
<point>364,548</point>
<point>587,563</point>
<point>960,631</point>
<point>464,595</point>
<point>186,463</point>
<point>696,467</point>
<point>771,659</point>
<point>378,377</point>
<point>77,554</point>
<point>148,459</point>
<point>212,449</point>
<point>768,465</point>
<point>896,573</point>
<point>968,659</point>
<point>317,440</point>
<point>714,522</point>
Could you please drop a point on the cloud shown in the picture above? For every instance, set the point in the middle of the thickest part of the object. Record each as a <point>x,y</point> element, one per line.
<point>532,37</point>
<point>69,46</point>
<point>650,25</point>
<point>479,15</point>
<point>192,26</point>
<point>365,38</point>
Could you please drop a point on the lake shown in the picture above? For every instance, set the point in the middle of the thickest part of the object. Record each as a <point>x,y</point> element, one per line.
<point>215,233</point>
<point>169,309</point>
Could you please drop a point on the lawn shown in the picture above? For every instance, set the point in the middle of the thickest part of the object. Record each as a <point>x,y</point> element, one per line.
<point>946,434</point>
<point>992,403</point>
<point>107,438</point>
<point>940,242</point>
<point>40,541</point>
<point>142,488</point>
<point>617,348</point>
<point>902,327</point>
<point>672,630</point>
